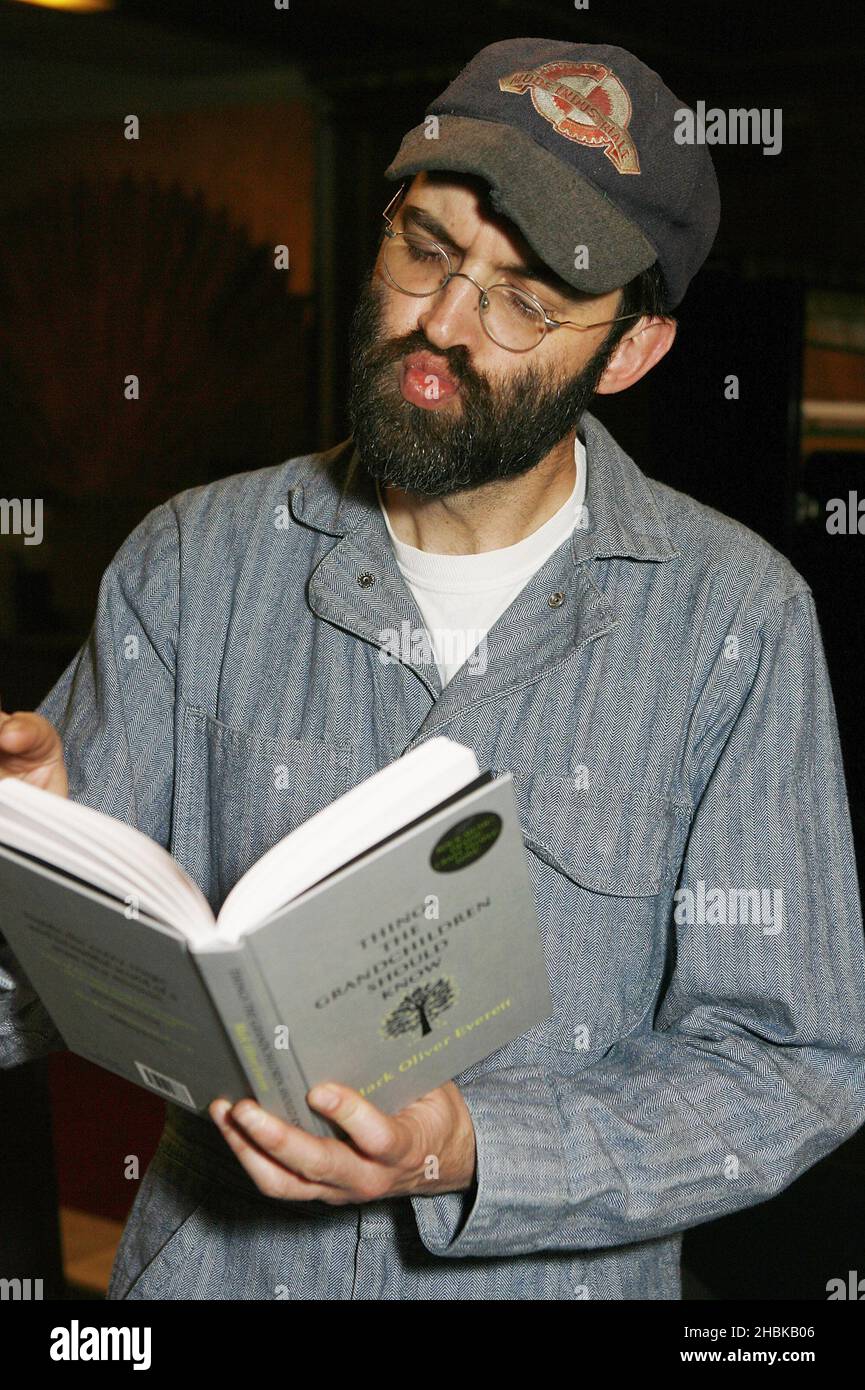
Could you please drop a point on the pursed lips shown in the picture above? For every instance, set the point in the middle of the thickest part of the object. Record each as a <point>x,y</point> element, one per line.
<point>424,379</point>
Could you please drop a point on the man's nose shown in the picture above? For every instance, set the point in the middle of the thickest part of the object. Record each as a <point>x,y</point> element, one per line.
<point>451,315</point>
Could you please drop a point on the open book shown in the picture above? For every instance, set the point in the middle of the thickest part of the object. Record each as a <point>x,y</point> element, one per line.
<point>388,943</point>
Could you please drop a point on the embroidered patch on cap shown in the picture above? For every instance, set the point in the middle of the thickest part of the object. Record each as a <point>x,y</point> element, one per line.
<point>584,102</point>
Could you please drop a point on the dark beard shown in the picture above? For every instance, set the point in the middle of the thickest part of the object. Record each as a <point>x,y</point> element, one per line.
<point>492,432</point>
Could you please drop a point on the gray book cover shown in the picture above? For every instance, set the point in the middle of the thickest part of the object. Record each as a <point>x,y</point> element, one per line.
<point>393,975</point>
<point>123,990</point>
<point>425,958</point>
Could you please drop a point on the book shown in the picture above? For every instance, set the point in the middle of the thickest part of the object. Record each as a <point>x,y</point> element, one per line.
<point>388,943</point>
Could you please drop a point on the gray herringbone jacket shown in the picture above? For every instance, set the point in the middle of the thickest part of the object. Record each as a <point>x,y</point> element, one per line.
<point>671,732</point>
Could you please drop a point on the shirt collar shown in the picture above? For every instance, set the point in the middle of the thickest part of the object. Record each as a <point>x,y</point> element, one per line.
<point>336,495</point>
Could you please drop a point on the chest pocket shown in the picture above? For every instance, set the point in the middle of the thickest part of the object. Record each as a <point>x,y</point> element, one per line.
<point>602,865</point>
<point>621,843</point>
<point>238,793</point>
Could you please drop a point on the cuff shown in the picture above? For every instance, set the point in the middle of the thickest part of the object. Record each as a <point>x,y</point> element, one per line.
<point>520,1196</point>
<point>27,1031</point>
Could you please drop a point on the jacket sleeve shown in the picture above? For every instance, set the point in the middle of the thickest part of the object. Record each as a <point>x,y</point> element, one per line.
<point>754,1067</point>
<point>114,709</point>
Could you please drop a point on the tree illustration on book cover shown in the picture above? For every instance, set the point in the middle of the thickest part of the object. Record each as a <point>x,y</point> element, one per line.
<point>420,1009</point>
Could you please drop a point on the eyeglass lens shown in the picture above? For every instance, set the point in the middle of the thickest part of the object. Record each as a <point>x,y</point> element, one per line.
<point>510,318</point>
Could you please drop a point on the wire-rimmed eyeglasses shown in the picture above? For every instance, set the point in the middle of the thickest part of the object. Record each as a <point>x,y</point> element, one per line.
<point>514,319</point>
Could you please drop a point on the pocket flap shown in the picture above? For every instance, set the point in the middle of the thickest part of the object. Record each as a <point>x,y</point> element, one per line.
<point>622,842</point>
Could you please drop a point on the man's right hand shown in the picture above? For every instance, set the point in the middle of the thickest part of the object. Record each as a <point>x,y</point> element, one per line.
<point>30,748</point>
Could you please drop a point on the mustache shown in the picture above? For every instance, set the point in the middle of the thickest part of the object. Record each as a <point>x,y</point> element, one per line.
<point>390,351</point>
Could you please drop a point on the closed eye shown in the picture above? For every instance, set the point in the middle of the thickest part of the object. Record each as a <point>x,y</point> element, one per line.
<point>423,219</point>
<point>421,251</point>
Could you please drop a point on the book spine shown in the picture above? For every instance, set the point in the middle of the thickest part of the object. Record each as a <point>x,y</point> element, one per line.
<point>259,1037</point>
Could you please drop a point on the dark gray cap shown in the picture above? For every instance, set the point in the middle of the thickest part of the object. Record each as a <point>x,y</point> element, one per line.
<point>577,143</point>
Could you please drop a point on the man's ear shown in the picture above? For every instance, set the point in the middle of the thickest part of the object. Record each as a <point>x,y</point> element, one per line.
<point>637,354</point>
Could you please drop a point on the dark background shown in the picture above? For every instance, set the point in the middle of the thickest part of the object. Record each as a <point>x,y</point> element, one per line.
<point>262,127</point>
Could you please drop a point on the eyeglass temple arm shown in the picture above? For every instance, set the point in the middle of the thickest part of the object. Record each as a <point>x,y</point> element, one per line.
<point>558,323</point>
<point>396,195</point>
<point>581,327</point>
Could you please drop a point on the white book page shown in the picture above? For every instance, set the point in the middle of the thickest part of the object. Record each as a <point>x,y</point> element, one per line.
<point>374,809</point>
<point>96,863</point>
<point>84,865</point>
<point>103,851</point>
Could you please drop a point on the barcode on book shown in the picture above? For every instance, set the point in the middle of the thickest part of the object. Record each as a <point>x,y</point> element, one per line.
<point>166,1085</point>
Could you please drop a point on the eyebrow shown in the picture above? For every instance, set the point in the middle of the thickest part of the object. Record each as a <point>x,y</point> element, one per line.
<point>532,270</point>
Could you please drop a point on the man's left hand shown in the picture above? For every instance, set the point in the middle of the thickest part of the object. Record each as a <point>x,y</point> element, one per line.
<point>428,1147</point>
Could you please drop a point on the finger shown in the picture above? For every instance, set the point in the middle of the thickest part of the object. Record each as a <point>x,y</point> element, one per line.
<point>16,746</point>
<point>328,1164</point>
<point>374,1133</point>
<point>24,735</point>
<point>328,1161</point>
<point>269,1174</point>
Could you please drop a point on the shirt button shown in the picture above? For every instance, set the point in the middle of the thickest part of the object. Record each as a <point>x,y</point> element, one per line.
<point>364,579</point>
<point>556,598</point>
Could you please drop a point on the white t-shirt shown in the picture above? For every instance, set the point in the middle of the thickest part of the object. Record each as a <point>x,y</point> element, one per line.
<point>461,596</point>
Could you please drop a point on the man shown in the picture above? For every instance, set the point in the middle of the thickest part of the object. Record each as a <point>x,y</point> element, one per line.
<point>650,671</point>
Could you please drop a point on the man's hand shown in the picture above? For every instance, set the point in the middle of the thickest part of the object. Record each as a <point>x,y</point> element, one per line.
<point>427,1147</point>
<point>30,748</point>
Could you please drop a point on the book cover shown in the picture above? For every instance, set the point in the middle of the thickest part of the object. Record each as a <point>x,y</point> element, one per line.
<point>392,975</point>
